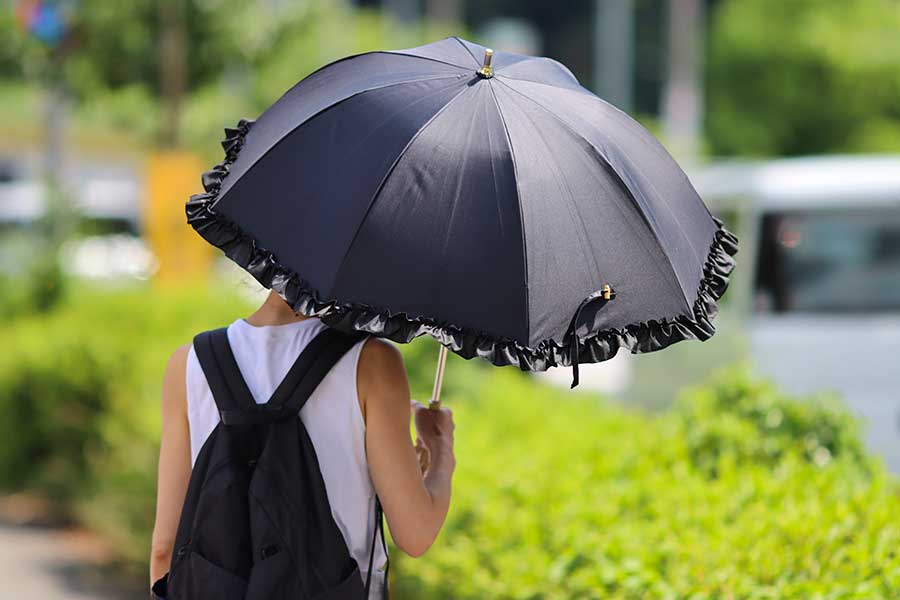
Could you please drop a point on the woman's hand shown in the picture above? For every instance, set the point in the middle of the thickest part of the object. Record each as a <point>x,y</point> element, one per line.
<point>423,455</point>
<point>434,436</point>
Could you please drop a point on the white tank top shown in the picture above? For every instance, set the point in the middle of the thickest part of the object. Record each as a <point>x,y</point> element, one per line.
<point>331,416</point>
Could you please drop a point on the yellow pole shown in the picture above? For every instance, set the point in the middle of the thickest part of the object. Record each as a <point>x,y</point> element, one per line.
<point>172,176</point>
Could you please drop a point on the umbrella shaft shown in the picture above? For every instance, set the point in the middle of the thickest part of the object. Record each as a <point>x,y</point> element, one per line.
<point>438,379</point>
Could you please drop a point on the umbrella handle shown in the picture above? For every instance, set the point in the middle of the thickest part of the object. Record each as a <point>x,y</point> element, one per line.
<point>435,403</point>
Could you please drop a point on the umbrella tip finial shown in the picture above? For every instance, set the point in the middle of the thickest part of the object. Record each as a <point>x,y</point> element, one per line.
<point>487,71</point>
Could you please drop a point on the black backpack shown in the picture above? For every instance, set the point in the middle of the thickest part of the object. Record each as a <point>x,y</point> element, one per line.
<point>256,523</point>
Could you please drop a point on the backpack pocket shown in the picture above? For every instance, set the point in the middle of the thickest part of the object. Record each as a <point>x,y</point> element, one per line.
<point>270,576</point>
<point>351,588</point>
<point>203,580</point>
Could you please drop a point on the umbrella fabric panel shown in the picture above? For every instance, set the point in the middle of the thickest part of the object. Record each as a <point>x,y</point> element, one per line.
<point>665,197</point>
<point>456,183</point>
<point>305,201</point>
<point>544,72</point>
<point>324,88</point>
<point>581,229</point>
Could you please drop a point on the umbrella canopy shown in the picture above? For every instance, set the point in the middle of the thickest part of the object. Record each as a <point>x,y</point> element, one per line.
<point>488,202</point>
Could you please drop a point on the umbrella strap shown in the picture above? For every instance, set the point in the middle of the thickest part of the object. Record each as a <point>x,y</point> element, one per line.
<point>602,296</point>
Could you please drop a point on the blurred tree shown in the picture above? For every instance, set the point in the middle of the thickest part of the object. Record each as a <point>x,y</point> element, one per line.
<point>446,11</point>
<point>119,42</point>
<point>172,66</point>
<point>240,56</point>
<point>804,77</point>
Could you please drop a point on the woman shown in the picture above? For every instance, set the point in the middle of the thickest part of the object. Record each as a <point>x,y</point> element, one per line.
<point>358,420</point>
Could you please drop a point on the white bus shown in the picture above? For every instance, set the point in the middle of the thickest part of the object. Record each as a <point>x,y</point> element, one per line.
<point>814,302</point>
<point>819,278</point>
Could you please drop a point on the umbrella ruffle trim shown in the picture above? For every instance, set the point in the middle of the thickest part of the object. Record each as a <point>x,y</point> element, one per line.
<point>647,336</point>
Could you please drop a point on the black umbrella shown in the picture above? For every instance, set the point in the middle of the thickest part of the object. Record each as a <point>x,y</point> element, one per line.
<point>501,208</point>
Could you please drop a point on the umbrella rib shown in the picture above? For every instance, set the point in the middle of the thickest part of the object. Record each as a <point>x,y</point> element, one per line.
<point>618,180</point>
<point>361,54</point>
<point>381,185</point>
<point>437,60</point>
<point>467,49</point>
<point>512,155</point>
<point>585,92</point>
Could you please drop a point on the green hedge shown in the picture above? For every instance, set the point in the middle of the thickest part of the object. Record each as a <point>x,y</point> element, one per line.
<point>79,391</point>
<point>735,492</point>
<point>559,497</point>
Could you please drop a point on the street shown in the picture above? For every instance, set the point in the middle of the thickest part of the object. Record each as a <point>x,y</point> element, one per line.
<point>38,563</point>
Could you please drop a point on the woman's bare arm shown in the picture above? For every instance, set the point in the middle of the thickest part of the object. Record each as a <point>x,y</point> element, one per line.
<point>174,463</point>
<point>415,505</point>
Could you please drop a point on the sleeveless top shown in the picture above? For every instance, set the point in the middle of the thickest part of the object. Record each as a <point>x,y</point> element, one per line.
<point>331,416</point>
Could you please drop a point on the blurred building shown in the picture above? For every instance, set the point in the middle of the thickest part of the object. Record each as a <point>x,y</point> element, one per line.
<point>615,47</point>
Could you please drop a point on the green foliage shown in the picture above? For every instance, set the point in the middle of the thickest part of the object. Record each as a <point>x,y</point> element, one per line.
<point>783,78</point>
<point>53,395</point>
<point>31,279</point>
<point>742,420</point>
<point>38,290</point>
<point>557,494</point>
<point>241,56</point>
<point>79,391</point>
<point>806,76</point>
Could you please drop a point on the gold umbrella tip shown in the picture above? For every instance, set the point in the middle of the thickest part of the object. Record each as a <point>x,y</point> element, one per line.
<point>487,71</point>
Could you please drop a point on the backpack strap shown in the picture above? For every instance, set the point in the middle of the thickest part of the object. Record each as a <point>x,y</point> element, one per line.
<point>223,375</point>
<point>316,360</point>
<point>379,532</point>
<point>304,376</point>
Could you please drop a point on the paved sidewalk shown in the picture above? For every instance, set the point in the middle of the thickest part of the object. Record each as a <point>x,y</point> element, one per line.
<point>38,563</point>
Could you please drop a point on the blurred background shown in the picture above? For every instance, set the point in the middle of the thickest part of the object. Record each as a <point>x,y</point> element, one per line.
<point>761,464</point>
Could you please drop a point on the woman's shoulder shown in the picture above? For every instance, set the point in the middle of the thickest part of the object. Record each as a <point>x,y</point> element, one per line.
<point>380,357</point>
<point>381,371</point>
<point>174,394</point>
<point>178,360</point>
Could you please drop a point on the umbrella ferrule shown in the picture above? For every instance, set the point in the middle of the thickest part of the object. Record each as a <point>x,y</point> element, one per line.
<point>487,71</point>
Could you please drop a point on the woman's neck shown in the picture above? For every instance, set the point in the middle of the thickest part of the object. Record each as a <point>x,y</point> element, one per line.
<point>274,311</point>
